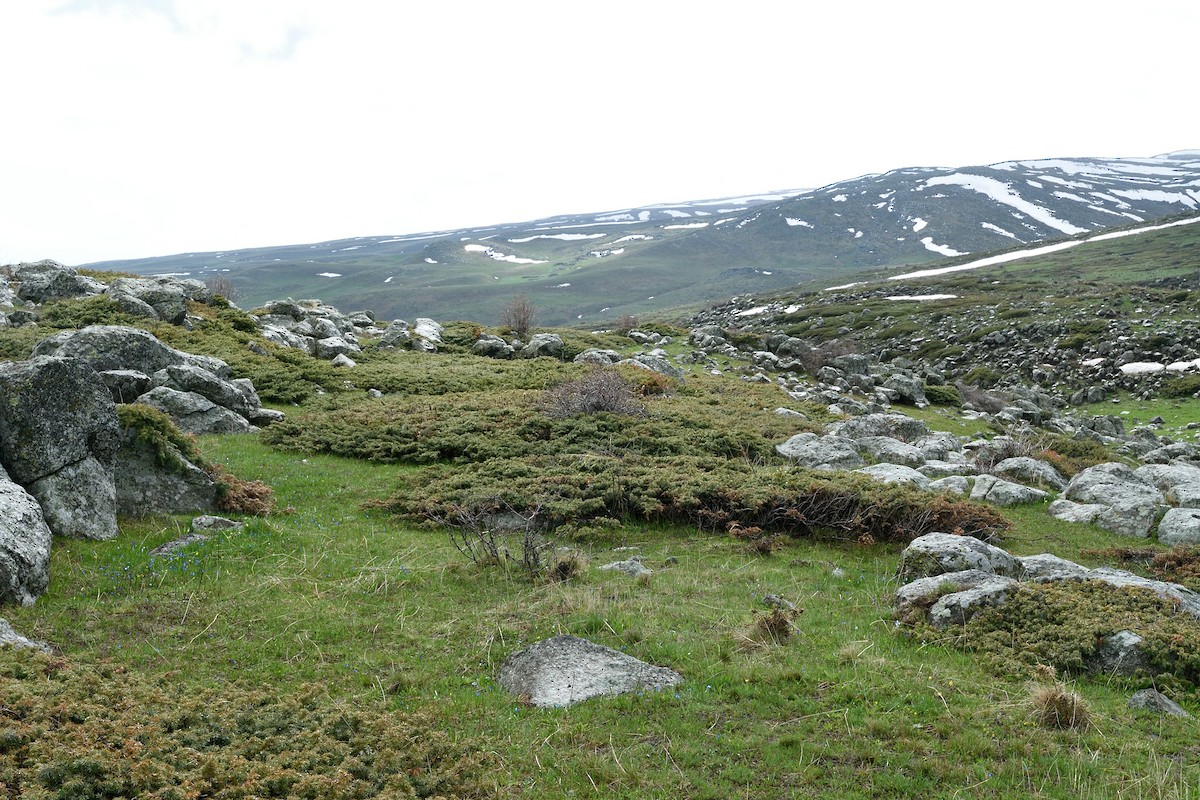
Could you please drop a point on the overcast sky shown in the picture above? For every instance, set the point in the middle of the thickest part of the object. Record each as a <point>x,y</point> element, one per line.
<point>136,128</point>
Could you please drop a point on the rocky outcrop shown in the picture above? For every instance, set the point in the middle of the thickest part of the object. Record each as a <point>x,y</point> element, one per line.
<point>956,576</point>
<point>195,390</point>
<point>58,439</point>
<point>566,670</point>
<point>42,281</point>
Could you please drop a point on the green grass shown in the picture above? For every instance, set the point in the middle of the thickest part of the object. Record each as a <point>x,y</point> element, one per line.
<point>387,616</point>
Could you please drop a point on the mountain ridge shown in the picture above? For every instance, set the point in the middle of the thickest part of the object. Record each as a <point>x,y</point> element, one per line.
<point>586,268</point>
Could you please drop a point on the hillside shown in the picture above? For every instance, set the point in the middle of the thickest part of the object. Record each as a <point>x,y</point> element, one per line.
<point>592,268</point>
<point>877,535</point>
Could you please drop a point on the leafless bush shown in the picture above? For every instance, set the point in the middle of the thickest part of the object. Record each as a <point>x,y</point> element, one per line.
<point>627,323</point>
<point>602,389</point>
<point>494,534</point>
<point>518,315</point>
<point>222,285</point>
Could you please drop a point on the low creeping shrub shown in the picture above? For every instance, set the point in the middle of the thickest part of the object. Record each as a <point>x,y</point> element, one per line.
<point>74,732</point>
<point>710,493</point>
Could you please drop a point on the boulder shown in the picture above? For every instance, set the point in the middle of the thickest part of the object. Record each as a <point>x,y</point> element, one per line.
<point>428,331</point>
<point>1000,492</point>
<point>1186,495</point>
<point>939,553</point>
<point>10,638</point>
<point>333,346</point>
<point>194,413</point>
<point>396,334</point>
<point>821,452</point>
<point>895,473</point>
<point>957,608</point>
<point>543,344</point>
<point>924,592</point>
<point>597,356</point>
<point>166,296</point>
<point>1070,511</point>
<point>654,361</point>
<point>1156,702</point>
<point>951,484</point>
<point>190,378</point>
<point>1031,471</point>
<point>908,390</point>
<point>631,567</point>
<point>494,347</point>
<point>1119,654</point>
<point>48,280</point>
<point>109,347</point>
<point>891,451</point>
<point>939,446</point>
<point>1180,526</point>
<point>897,426</point>
<point>1133,504</point>
<point>1046,567</point>
<point>24,545</point>
<point>566,669</point>
<point>58,439</point>
<point>1166,477</point>
<point>153,482</point>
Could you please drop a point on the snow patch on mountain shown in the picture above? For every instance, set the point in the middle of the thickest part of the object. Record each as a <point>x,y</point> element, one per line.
<point>1003,194</point>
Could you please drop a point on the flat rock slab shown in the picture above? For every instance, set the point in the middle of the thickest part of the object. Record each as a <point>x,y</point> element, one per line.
<point>566,669</point>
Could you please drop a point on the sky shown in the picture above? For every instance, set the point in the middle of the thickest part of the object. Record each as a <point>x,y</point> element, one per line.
<point>135,128</point>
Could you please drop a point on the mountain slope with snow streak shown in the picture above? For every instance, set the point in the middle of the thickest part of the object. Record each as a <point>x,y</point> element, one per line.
<point>638,260</point>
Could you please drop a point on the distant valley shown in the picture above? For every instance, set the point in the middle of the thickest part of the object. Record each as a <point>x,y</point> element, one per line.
<point>589,269</point>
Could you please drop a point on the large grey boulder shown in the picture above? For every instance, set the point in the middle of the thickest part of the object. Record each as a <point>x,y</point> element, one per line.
<point>543,344</point>
<point>150,482</point>
<point>895,473</point>
<point>126,385</point>
<point>1031,471</point>
<point>195,413</point>
<point>1164,476</point>
<point>821,452</point>
<point>1133,504</point>
<point>654,361</point>
<point>566,670</point>
<point>897,426</point>
<point>58,439</point>
<point>49,280</point>
<point>1000,492</point>
<point>1046,567</point>
<point>1070,511</point>
<point>1180,526</point>
<point>939,553</point>
<point>1119,654</point>
<point>190,378</point>
<point>957,608</point>
<point>597,356</point>
<point>1156,702</point>
<point>924,592</point>
<point>907,389</point>
<point>109,347</point>
<point>166,296</point>
<point>891,451</point>
<point>24,545</point>
<point>939,446</point>
<point>493,347</point>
